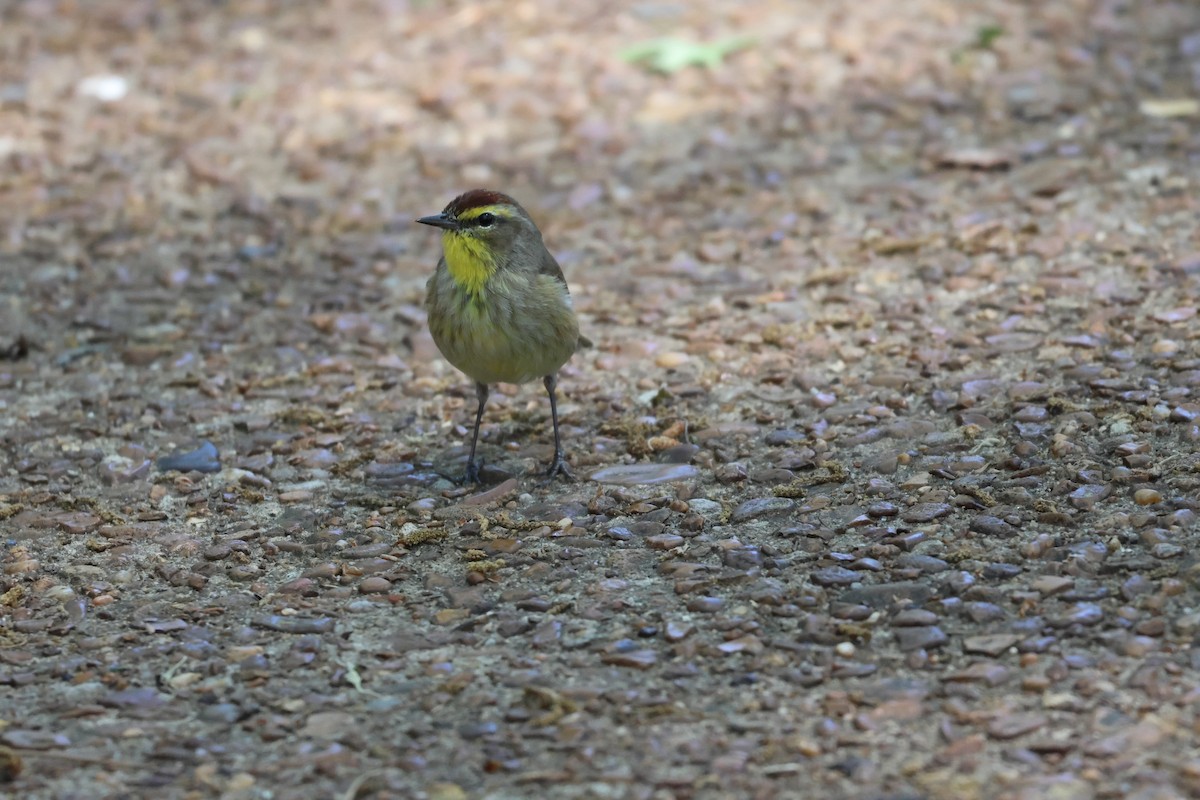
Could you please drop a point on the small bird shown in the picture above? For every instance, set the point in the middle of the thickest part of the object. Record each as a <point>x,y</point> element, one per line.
<point>499,307</point>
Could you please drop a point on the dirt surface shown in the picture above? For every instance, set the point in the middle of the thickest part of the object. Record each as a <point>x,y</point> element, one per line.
<point>888,446</point>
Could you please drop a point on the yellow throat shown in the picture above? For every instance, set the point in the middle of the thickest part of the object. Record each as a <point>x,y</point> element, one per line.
<point>469,260</point>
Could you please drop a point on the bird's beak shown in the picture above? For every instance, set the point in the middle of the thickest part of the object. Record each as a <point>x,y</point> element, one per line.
<point>443,220</point>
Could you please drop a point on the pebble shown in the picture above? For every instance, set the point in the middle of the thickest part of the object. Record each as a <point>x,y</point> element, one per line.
<point>391,474</point>
<point>223,713</point>
<point>664,541</point>
<point>1147,497</point>
<point>203,459</point>
<point>1167,550</point>
<point>140,698</point>
<point>1010,726</point>
<point>914,617</point>
<point>1181,314</point>
<point>366,551</point>
<point>319,458</point>
<point>306,587</point>
<point>1036,644</point>
<point>853,611</point>
<point>982,611</point>
<point>882,509</point>
<point>289,624</point>
<point>23,739</point>
<point>637,659</point>
<point>450,616</point>
<point>709,509</point>
<point>677,631</point>
<point>925,564</point>
<point>218,552</point>
<point>678,454</point>
<point>105,87</point>
<point>1086,497</point>
<point>374,585</point>
<point>744,557</point>
<point>671,360</point>
<point>883,595</point>
<point>495,494</point>
<point>1050,585</point>
<point>645,474</point>
<point>834,576</point>
<point>78,522</point>
<point>1079,614</point>
<point>958,582</point>
<point>990,644</point>
<point>992,526</point>
<point>760,507</point>
<point>985,672</point>
<point>1001,571</point>
<point>1032,414</point>
<point>785,436</point>
<point>117,469</point>
<point>926,512</point>
<point>423,505</point>
<point>920,638</point>
<point>477,730</point>
<point>731,473</point>
<point>706,604</point>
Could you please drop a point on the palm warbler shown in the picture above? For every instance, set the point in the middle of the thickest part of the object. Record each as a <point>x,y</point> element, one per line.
<point>499,308</point>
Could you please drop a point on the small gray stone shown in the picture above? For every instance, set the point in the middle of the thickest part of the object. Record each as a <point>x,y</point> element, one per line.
<point>761,507</point>
<point>227,713</point>
<point>645,474</point>
<point>785,436</point>
<point>990,645</point>
<point>992,526</point>
<point>882,595</point>
<point>920,638</point>
<point>1079,614</point>
<point>926,564</point>
<point>834,576</point>
<point>203,459</point>
<point>926,512</point>
<point>709,509</point>
<point>1086,497</point>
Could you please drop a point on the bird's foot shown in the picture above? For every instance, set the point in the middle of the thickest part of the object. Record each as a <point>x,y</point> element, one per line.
<point>559,467</point>
<point>471,476</point>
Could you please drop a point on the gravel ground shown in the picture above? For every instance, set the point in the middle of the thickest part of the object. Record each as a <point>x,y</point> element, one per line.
<point>888,446</point>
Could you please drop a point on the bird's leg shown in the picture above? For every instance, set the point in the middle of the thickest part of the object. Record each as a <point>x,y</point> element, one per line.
<point>472,475</point>
<point>559,465</point>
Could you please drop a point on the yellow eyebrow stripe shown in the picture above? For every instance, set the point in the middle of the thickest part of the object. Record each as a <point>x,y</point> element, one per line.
<point>472,213</point>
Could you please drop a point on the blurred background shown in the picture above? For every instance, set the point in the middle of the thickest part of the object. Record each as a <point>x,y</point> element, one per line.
<point>269,147</point>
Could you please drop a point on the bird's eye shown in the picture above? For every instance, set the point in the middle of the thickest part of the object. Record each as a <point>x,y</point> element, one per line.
<point>486,219</point>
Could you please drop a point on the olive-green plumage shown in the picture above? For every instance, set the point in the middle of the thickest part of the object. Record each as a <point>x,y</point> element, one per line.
<point>499,308</point>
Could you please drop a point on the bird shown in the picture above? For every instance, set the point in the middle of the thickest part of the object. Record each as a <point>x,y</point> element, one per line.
<point>498,305</point>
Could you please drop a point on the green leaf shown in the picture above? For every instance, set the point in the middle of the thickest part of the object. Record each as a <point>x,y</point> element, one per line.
<point>986,36</point>
<point>672,54</point>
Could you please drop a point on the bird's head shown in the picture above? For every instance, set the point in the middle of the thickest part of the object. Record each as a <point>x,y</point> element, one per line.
<point>483,226</point>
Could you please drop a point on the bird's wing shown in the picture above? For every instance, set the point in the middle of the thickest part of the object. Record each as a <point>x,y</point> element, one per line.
<point>549,266</point>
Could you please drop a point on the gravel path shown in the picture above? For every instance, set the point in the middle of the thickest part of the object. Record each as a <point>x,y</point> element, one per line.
<point>888,446</point>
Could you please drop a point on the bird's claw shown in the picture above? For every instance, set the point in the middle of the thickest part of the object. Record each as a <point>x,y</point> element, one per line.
<point>559,467</point>
<point>471,476</point>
